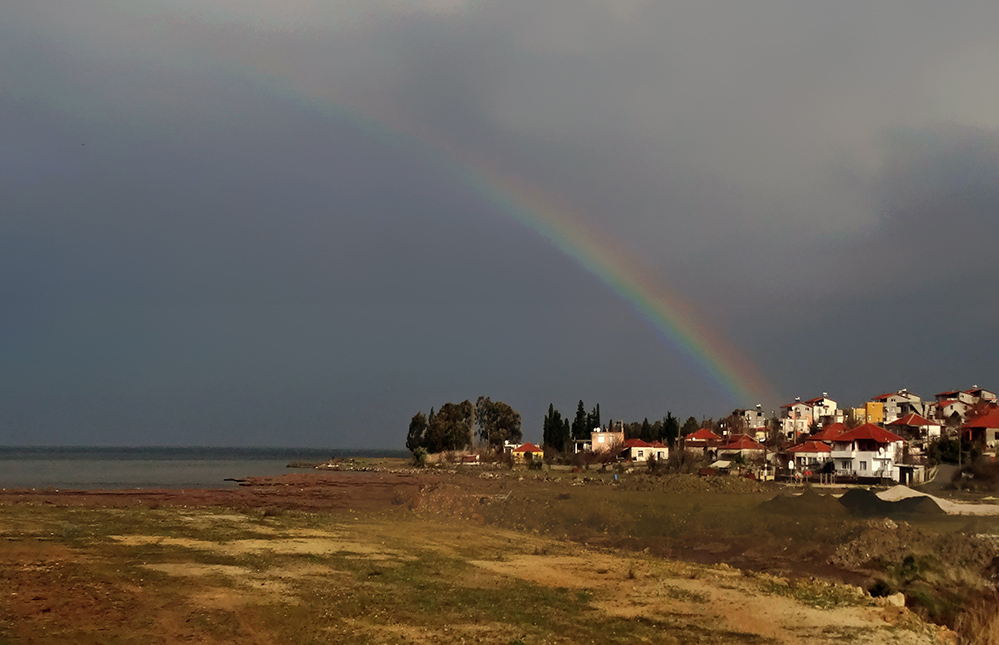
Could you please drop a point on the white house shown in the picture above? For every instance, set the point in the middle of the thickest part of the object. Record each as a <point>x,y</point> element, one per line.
<point>944,409</point>
<point>868,451</point>
<point>795,418</point>
<point>897,404</point>
<point>810,455</point>
<point>955,395</point>
<point>970,397</point>
<point>638,450</point>
<point>981,394</point>
<point>752,417</point>
<point>824,410</point>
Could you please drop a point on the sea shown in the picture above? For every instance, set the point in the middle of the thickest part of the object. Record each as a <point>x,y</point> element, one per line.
<point>80,468</point>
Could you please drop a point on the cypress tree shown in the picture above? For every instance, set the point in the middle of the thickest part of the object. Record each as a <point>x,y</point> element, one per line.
<point>579,424</point>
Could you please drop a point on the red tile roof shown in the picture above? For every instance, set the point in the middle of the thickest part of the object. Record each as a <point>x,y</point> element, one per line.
<point>810,446</point>
<point>950,393</point>
<point>702,435</point>
<point>636,443</point>
<point>817,399</point>
<point>828,433</point>
<point>912,419</point>
<point>527,447</point>
<point>988,420</point>
<point>742,443</point>
<point>869,432</point>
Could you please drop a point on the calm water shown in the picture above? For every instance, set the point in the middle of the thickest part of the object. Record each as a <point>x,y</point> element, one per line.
<point>86,468</point>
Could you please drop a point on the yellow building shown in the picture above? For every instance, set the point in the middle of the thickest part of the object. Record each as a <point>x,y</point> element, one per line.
<point>875,412</point>
<point>872,412</point>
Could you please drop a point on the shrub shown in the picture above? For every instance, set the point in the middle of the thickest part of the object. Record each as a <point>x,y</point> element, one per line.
<point>982,474</point>
<point>420,457</point>
<point>978,624</point>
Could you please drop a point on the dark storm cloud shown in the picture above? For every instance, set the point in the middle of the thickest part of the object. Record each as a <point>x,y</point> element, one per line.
<point>186,245</point>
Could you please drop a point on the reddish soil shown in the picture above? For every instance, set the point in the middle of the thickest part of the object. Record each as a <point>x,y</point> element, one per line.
<point>300,491</point>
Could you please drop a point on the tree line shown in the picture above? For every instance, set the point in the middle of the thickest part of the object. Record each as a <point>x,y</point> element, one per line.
<point>559,434</point>
<point>453,427</point>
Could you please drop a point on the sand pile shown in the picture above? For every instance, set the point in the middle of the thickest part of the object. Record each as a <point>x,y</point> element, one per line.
<point>904,494</point>
<point>868,504</point>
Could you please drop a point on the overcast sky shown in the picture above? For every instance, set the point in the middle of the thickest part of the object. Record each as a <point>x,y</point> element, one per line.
<point>238,222</point>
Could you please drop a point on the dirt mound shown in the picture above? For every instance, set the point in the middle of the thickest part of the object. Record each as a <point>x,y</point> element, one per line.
<point>807,503</point>
<point>866,503</point>
<point>689,483</point>
<point>921,505</point>
<point>883,542</point>
<point>860,501</point>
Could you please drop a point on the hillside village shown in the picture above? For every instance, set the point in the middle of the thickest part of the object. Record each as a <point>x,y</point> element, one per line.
<point>888,438</point>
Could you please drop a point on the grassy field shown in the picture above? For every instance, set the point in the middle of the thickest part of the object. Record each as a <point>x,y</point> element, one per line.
<point>417,572</point>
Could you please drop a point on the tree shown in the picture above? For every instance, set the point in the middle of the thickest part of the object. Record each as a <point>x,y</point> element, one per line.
<point>498,422</point>
<point>417,432</point>
<point>451,427</point>
<point>775,435</point>
<point>735,423</point>
<point>670,429</point>
<point>690,425</point>
<point>645,433</point>
<point>551,430</point>
<point>580,428</point>
<point>432,438</point>
<point>593,418</point>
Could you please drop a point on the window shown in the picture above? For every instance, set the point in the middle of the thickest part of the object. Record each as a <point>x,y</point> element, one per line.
<point>639,453</point>
<point>600,439</point>
<point>863,465</point>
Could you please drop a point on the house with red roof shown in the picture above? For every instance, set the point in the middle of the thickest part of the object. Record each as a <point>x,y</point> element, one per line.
<point>970,397</point>
<point>868,451</point>
<point>638,450</point>
<point>702,441</point>
<point>955,395</point>
<point>526,452</point>
<point>743,446</point>
<point>945,409</point>
<point>981,394</point>
<point>828,433</point>
<point>810,455</point>
<point>825,410</point>
<point>915,426</point>
<point>984,428</point>
<point>797,417</point>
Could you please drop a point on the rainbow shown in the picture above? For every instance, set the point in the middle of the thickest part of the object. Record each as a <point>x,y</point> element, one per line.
<point>675,320</point>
